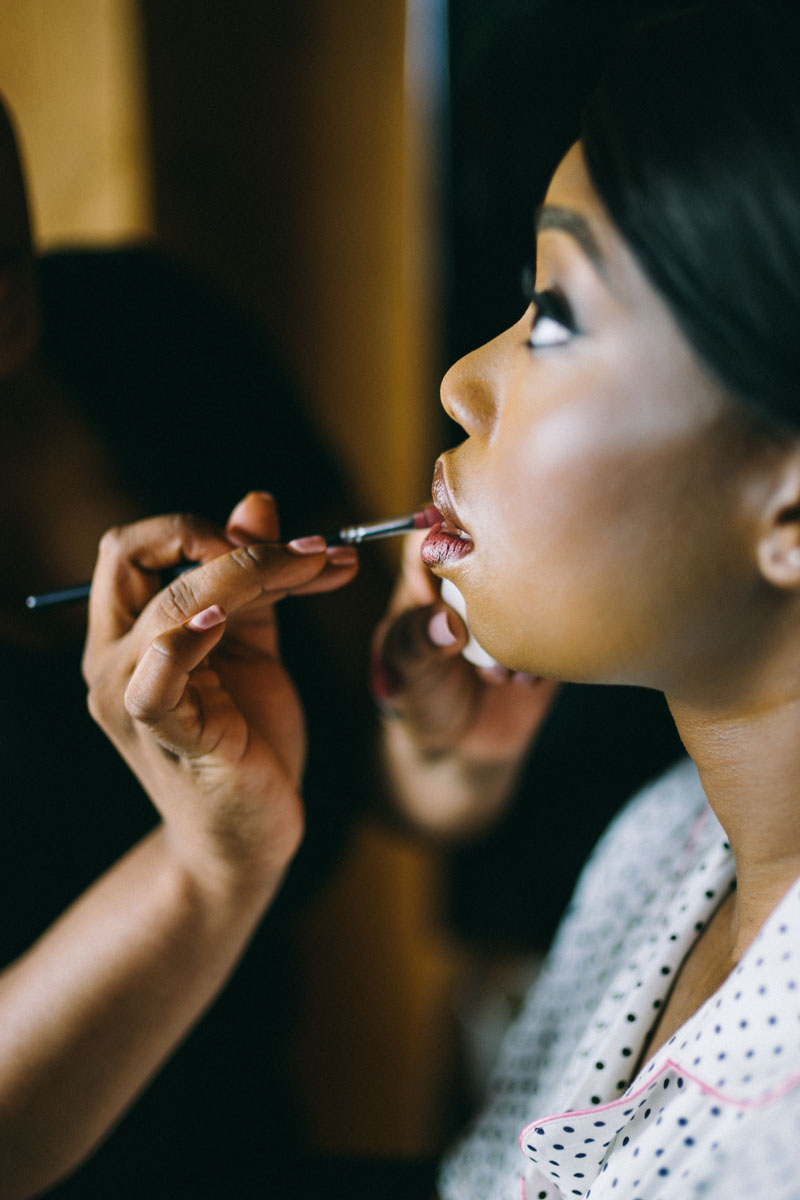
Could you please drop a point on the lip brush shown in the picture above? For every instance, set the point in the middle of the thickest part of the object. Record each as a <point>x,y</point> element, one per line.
<point>353,535</point>
<point>350,535</point>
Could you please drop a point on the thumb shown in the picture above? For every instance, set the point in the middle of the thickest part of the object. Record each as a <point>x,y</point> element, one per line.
<point>446,630</point>
<point>418,672</point>
<point>412,644</point>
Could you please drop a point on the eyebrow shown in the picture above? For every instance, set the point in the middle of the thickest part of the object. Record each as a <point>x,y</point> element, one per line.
<point>552,216</point>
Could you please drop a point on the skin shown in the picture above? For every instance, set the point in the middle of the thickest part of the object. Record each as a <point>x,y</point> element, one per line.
<point>631,523</point>
<point>206,716</point>
<point>189,685</point>
<point>585,468</point>
<point>454,737</point>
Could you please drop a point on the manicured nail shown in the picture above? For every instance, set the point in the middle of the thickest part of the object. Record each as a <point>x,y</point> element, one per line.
<point>308,545</point>
<point>439,631</point>
<point>342,556</point>
<point>207,619</point>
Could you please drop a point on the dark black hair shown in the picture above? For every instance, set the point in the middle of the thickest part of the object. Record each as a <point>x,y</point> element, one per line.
<point>693,143</point>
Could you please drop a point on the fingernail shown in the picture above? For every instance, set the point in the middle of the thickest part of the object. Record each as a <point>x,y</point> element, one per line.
<point>439,631</point>
<point>342,556</point>
<point>207,619</point>
<point>308,545</point>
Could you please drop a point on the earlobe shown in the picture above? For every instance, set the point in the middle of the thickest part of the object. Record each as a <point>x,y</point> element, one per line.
<point>779,561</point>
<point>779,547</point>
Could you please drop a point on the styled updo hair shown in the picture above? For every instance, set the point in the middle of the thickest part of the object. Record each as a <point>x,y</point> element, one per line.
<point>693,143</point>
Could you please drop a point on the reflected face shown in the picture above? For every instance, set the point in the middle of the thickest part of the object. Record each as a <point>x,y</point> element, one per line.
<point>19,318</point>
<point>607,485</point>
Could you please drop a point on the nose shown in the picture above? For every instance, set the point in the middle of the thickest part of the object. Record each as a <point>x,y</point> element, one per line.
<point>471,390</point>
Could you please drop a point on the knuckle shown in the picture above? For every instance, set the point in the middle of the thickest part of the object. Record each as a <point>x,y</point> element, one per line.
<point>255,564</point>
<point>102,701</point>
<point>110,541</point>
<point>187,526</point>
<point>181,599</point>
<point>95,705</point>
<point>247,557</point>
<point>182,521</point>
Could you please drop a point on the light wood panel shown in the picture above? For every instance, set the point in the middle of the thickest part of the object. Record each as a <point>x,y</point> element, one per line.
<point>291,167</point>
<point>71,72</point>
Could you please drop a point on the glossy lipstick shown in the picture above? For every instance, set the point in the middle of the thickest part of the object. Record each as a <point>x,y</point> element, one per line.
<point>448,542</point>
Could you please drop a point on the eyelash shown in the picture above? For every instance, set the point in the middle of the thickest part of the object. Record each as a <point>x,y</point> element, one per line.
<point>552,307</point>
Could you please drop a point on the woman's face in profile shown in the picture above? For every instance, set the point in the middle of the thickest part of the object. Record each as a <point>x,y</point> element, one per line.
<point>602,482</point>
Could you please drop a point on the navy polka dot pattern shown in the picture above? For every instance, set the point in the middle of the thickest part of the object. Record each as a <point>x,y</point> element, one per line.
<point>716,1111</point>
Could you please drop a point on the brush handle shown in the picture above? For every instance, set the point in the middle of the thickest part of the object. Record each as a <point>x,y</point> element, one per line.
<point>351,535</point>
<point>62,596</point>
<point>74,595</point>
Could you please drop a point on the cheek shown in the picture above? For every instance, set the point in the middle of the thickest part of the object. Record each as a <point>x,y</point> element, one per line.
<point>603,448</point>
<point>575,472</point>
<point>587,510</point>
<point>549,504</point>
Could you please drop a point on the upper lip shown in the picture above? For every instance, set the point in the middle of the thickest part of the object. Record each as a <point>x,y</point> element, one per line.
<point>443,501</point>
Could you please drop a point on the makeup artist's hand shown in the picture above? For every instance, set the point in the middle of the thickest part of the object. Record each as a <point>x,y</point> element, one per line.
<point>188,682</point>
<point>455,734</point>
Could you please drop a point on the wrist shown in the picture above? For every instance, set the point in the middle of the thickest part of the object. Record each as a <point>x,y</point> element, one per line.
<point>228,874</point>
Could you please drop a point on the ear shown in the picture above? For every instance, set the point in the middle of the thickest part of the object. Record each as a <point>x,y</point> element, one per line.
<point>779,543</point>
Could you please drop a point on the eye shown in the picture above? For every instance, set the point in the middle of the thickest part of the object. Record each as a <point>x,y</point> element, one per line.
<point>553,322</point>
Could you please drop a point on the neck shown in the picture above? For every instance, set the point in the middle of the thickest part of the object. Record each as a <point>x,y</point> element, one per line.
<point>749,766</point>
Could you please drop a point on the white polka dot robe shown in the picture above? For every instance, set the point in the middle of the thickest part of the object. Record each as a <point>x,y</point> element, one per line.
<point>716,1111</point>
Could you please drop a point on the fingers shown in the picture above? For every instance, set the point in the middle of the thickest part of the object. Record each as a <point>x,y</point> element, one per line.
<point>418,672</point>
<point>236,579</point>
<point>420,641</point>
<point>156,693</point>
<point>254,519</point>
<point>412,644</point>
<point>128,560</point>
<point>446,704</point>
<point>124,582</point>
<point>125,585</point>
<point>340,567</point>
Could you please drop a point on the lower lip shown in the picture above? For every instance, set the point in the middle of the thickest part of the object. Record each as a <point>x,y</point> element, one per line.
<point>442,549</point>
